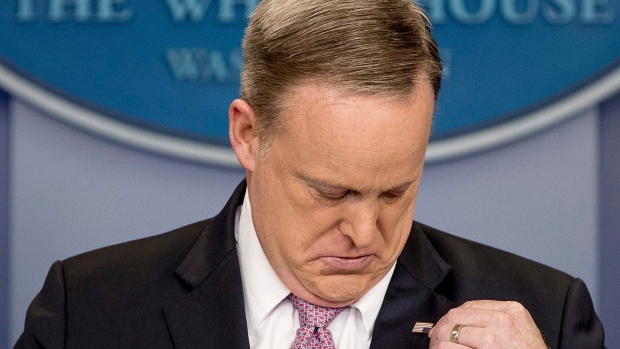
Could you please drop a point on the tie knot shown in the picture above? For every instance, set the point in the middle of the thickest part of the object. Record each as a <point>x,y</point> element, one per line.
<point>311,315</point>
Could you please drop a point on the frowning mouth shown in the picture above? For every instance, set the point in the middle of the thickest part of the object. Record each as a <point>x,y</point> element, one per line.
<point>349,263</point>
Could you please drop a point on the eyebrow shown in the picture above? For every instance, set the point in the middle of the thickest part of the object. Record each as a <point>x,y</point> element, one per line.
<point>402,187</point>
<point>322,185</point>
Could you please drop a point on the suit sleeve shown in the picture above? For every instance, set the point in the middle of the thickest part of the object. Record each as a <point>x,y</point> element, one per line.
<point>46,315</point>
<point>581,327</point>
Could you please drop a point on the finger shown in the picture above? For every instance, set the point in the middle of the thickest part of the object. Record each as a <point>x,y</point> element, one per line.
<point>446,341</point>
<point>444,332</point>
<point>469,336</point>
<point>492,305</point>
<point>471,317</point>
<point>515,310</point>
<point>457,316</point>
<point>448,345</point>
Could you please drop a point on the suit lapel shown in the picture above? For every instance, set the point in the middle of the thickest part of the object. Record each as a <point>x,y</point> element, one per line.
<point>411,295</point>
<point>212,314</point>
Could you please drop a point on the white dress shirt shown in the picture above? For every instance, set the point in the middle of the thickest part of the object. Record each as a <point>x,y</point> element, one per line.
<point>272,320</point>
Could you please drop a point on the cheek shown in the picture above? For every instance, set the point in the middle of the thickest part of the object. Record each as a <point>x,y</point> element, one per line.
<point>395,225</point>
<point>312,230</point>
<point>309,217</point>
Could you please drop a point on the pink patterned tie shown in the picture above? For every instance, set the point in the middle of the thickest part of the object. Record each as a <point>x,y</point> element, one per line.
<point>313,322</point>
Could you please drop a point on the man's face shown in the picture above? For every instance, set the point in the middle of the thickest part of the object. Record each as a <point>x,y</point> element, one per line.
<point>333,200</point>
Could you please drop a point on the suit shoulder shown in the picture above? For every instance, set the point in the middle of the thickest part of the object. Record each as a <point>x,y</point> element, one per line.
<point>155,254</point>
<point>485,265</point>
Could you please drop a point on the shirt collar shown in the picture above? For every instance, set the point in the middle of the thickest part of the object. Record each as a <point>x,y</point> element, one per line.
<point>370,304</point>
<point>263,290</point>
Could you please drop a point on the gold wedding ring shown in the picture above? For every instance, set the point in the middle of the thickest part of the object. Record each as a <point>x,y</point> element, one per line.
<point>456,332</point>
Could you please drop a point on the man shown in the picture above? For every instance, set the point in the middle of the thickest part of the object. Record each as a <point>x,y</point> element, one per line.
<point>321,249</point>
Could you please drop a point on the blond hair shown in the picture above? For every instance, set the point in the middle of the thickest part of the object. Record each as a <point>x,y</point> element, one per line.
<point>379,47</point>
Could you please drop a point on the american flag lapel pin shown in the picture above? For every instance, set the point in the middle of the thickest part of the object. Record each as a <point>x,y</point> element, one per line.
<point>422,327</point>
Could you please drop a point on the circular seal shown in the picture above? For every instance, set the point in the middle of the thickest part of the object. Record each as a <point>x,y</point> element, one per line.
<point>161,76</point>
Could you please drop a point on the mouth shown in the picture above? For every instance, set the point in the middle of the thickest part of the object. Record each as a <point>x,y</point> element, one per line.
<point>349,263</point>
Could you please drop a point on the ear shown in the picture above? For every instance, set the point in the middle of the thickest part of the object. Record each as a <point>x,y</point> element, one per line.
<point>242,133</point>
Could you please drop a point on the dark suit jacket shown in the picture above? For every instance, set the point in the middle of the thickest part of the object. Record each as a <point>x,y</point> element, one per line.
<point>183,290</point>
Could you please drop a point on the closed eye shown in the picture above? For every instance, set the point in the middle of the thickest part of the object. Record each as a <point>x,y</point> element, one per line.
<point>333,196</point>
<point>392,196</point>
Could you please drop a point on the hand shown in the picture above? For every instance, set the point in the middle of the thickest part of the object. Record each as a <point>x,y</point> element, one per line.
<point>488,325</point>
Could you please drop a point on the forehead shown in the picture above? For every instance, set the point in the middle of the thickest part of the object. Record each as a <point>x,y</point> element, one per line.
<point>328,129</point>
<point>322,109</point>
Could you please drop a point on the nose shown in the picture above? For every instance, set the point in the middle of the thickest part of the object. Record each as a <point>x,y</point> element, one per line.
<point>361,223</point>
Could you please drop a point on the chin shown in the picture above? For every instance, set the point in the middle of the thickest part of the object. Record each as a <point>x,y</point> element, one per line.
<point>343,289</point>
